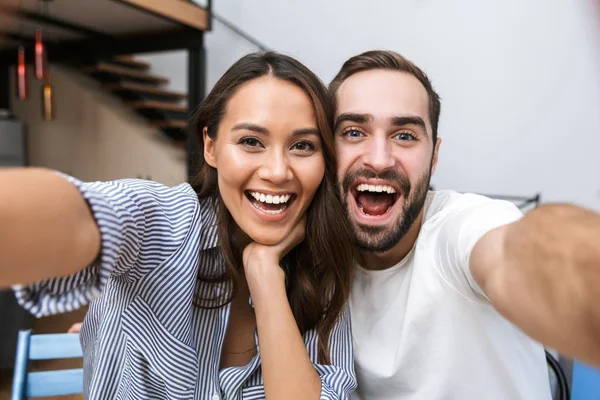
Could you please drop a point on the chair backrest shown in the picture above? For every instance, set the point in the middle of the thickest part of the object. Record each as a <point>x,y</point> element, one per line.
<point>46,383</point>
<point>586,382</point>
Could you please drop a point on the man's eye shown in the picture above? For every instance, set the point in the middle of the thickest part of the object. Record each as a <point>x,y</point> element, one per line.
<point>404,136</point>
<point>353,133</point>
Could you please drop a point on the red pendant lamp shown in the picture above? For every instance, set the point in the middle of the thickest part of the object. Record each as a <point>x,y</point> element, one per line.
<point>42,71</point>
<point>40,55</point>
<point>22,90</point>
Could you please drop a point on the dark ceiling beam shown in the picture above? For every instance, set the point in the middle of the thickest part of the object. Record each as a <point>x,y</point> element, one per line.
<point>98,48</point>
<point>48,19</point>
<point>15,37</point>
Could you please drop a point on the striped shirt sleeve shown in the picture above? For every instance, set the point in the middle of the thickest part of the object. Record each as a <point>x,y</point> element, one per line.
<point>141,223</point>
<point>338,380</point>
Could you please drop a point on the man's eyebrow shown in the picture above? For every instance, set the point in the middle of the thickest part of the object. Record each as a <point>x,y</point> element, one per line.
<point>408,120</point>
<point>352,117</point>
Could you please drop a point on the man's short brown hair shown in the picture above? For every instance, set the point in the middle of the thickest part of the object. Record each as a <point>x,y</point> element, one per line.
<point>390,60</point>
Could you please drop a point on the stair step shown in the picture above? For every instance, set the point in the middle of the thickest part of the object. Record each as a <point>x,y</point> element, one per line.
<point>156,105</point>
<point>130,61</point>
<point>173,128</point>
<point>181,144</point>
<point>125,72</point>
<point>144,89</point>
<point>170,124</point>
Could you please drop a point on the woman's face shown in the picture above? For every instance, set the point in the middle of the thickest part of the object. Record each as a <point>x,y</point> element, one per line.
<point>268,156</point>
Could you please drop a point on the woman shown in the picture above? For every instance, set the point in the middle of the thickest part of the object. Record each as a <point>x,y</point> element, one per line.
<point>233,288</point>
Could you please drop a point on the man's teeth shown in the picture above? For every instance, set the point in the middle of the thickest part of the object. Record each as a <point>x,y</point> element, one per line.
<point>364,187</point>
<point>270,199</point>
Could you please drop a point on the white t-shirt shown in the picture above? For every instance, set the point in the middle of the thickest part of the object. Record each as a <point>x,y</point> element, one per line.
<point>424,330</point>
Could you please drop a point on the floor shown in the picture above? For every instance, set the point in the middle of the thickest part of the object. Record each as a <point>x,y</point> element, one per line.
<point>53,324</point>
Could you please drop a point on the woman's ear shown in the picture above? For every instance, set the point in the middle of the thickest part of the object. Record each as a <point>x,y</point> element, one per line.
<point>209,149</point>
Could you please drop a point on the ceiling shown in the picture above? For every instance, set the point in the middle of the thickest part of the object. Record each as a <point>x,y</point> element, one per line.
<point>78,19</point>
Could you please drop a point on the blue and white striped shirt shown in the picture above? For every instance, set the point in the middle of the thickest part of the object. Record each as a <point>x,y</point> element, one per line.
<point>142,337</point>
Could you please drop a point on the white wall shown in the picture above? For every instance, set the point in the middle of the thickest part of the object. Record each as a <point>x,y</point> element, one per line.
<point>223,48</point>
<point>170,64</point>
<point>519,79</point>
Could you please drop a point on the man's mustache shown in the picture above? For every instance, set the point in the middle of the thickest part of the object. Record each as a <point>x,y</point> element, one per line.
<point>389,175</point>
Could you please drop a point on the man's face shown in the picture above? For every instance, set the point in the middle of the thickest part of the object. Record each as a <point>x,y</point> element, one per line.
<point>386,154</point>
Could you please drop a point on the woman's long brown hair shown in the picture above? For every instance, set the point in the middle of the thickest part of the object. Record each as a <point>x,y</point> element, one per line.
<point>318,270</point>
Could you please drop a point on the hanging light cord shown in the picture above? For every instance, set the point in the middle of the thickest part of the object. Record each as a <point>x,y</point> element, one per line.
<point>21,29</point>
<point>561,378</point>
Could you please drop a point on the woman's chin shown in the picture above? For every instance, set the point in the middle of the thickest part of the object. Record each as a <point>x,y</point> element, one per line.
<point>268,240</point>
<point>269,237</point>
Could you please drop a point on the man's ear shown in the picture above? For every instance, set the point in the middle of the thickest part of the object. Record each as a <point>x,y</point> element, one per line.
<point>436,150</point>
<point>209,149</point>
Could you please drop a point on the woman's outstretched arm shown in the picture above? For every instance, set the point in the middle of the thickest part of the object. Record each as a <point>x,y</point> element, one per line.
<point>46,227</point>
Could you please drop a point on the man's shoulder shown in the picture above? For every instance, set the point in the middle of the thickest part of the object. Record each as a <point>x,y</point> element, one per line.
<point>440,200</point>
<point>448,202</point>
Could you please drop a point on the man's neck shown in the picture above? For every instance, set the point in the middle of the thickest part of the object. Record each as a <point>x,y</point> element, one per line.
<point>380,261</point>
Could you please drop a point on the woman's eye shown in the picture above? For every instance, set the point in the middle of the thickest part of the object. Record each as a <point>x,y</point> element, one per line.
<point>404,136</point>
<point>304,146</point>
<point>250,142</point>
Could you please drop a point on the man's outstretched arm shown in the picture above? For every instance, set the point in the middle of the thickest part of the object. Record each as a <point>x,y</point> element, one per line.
<point>543,273</point>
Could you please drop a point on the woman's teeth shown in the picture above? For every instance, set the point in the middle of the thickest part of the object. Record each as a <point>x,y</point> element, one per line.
<point>270,199</point>
<point>270,204</point>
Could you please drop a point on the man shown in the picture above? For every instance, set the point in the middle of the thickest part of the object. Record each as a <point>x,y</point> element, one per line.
<point>451,287</point>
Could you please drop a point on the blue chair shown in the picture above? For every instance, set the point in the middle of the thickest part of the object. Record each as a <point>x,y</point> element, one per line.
<point>46,383</point>
<point>586,382</point>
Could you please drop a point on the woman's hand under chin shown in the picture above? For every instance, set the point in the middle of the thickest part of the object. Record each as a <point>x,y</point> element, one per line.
<point>261,263</point>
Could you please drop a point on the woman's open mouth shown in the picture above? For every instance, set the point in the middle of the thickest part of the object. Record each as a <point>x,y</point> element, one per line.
<point>375,200</point>
<point>268,203</point>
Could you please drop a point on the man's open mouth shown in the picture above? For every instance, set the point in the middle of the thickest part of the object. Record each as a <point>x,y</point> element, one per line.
<point>375,200</point>
<point>270,203</point>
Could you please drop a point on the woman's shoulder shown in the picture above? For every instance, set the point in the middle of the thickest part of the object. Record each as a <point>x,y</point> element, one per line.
<point>140,186</point>
<point>126,189</point>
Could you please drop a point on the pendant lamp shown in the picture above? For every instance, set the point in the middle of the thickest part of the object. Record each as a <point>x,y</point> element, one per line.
<point>22,92</point>
<point>40,55</point>
<point>48,99</point>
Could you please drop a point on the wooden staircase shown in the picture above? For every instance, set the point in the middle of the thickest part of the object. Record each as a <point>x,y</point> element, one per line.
<point>144,93</point>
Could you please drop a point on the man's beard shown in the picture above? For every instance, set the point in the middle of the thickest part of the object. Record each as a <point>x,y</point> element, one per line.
<point>383,238</point>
